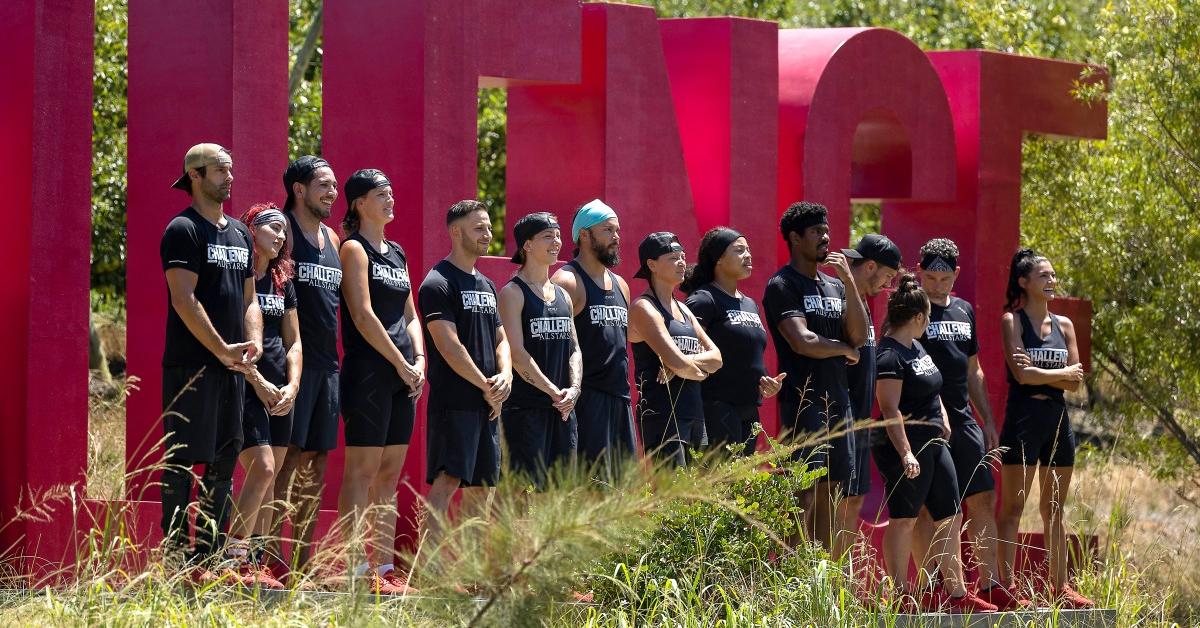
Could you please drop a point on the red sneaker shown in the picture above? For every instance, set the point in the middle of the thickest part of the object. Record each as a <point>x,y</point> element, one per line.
<point>399,581</point>
<point>201,577</point>
<point>969,604</point>
<point>233,577</point>
<point>1004,599</point>
<point>933,600</point>
<point>259,576</point>
<point>1069,598</point>
<point>377,586</point>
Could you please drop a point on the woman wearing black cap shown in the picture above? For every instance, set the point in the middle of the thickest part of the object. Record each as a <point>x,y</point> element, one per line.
<point>539,415</point>
<point>1043,361</point>
<point>671,354</point>
<point>733,394</point>
<point>914,459</point>
<point>383,372</point>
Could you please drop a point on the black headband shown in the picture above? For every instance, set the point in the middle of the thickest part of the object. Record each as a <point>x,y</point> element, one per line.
<point>811,220</point>
<point>939,263</point>
<point>715,248</point>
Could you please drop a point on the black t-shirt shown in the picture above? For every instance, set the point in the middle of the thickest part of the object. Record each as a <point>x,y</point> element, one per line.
<point>950,340</point>
<point>388,287</point>
<point>468,301</point>
<point>602,327</point>
<point>822,303</point>
<point>318,279</point>
<point>220,257</point>
<point>861,375</point>
<point>921,385</point>
<point>1045,353</point>
<point>736,329</point>
<point>546,335</point>
<point>274,303</point>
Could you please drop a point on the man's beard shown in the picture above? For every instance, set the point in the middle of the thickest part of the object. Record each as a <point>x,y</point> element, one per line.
<point>317,209</point>
<point>609,256</point>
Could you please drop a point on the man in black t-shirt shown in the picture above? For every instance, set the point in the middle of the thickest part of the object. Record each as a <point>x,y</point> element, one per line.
<point>470,369</point>
<point>214,334</point>
<point>950,339</point>
<point>875,262</point>
<point>817,332</point>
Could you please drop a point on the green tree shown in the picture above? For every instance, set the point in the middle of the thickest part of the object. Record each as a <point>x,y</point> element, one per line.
<point>108,153</point>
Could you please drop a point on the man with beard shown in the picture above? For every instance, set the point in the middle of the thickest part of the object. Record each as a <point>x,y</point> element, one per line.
<point>817,332</point>
<point>876,261</point>
<point>600,305</point>
<point>311,190</point>
<point>213,335</point>
<point>470,368</point>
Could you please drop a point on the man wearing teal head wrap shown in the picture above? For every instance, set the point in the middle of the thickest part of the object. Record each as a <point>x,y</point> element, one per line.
<point>601,301</point>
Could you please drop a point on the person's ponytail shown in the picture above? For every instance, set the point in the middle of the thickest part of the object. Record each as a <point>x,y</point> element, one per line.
<point>906,302</point>
<point>1022,264</point>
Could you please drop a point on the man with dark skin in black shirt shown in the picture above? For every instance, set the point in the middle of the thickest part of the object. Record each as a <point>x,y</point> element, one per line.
<point>214,335</point>
<point>817,331</point>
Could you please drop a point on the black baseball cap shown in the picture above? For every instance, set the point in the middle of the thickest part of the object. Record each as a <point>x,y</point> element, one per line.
<point>300,168</point>
<point>529,226</point>
<point>363,181</point>
<point>652,247</point>
<point>877,248</point>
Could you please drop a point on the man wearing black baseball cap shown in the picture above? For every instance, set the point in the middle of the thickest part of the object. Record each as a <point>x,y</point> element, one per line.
<point>874,263</point>
<point>213,335</point>
<point>311,189</point>
<point>539,416</point>
<point>817,331</point>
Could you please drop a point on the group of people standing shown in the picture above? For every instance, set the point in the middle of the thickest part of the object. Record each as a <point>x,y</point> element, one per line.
<point>252,373</point>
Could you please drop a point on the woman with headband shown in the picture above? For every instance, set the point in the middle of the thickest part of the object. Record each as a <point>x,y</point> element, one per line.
<point>383,374</point>
<point>733,394</point>
<point>271,386</point>
<point>671,354</point>
<point>1043,361</point>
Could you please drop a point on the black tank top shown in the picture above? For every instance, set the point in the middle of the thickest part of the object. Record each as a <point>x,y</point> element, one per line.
<point>1045,353</point>
<point>546,331</point>
<point>602,328</point>
<point>679,397</point>
<point>318,281</point>
<point>389,287</point>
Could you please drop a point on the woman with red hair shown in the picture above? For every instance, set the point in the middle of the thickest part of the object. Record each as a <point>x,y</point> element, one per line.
<point>271,387</point>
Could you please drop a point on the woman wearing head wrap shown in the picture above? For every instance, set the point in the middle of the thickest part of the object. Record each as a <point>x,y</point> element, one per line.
<point>733,394</point>
<point>671,353</point>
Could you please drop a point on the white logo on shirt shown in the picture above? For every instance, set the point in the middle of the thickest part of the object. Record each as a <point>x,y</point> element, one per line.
<point>828,307</point>
<point>550,328</point>
<point>478,302</point>
<point>326,277</point>
<point>394,277</point>
<point>270,304</point>
<point>948,331</point>
<point>744,319</point>
<point>687,344</point>
<point>924,366</point>
<point>608,316</point>
<point>870,335</point>
<point>1048,358</point>
<point>234,257</point>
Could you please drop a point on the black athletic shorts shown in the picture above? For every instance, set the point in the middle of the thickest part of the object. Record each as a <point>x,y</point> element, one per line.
<point>538,439</point>
<point>728,424</point>
<point>315,420</point>
<point>259,427</point>
<point>606,436</point>
<point>668,439</point>
<point>375,405</point>
<point>825,450</point>
<point>860,482</point>
<point>1037,431</point>
<point>969,451</point>
<point>463,444</point>
<point>204,415</point>
<point>936,488</point>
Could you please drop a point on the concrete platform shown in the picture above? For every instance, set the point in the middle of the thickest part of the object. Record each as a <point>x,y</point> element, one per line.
<point>1094,618</point>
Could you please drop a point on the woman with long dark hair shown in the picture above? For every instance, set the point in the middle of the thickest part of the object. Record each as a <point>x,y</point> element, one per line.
<point>1043,361</point>
<point>271,387</point>
<point>733,394</point>
<point>914,459</point>
<point>383,374</point>
<point>671,354</point>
